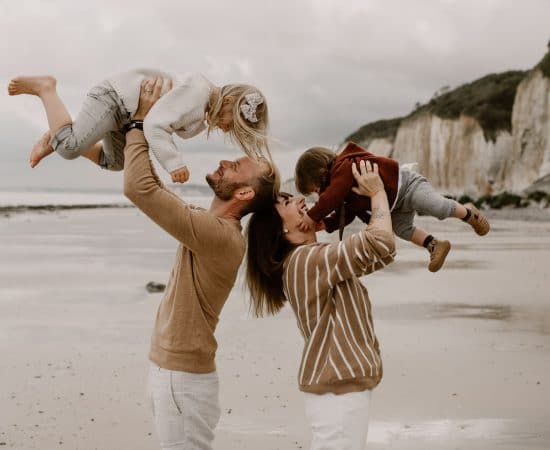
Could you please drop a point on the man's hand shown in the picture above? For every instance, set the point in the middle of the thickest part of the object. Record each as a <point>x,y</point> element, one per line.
<point>307,224</point>
<point>180,175</point>
<point>148,96</point>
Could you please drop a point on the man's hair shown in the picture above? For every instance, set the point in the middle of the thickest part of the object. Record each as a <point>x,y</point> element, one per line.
<point>312,169</point>
<point>266,187</point>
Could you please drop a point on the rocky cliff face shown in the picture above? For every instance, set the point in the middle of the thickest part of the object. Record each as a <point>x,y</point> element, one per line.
<point>458,158</point>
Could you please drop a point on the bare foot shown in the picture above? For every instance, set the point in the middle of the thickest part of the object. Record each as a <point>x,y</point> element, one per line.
<point>31,85</point>
<point>41,149</point>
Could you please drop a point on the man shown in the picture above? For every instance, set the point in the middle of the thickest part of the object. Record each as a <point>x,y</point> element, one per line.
<point>183,378</point>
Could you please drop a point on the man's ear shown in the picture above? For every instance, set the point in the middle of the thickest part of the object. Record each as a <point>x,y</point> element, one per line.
<point>245,193</point>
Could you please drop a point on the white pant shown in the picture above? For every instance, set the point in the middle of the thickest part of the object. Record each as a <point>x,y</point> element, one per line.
<point>185,408</point>
<point>338,422</point>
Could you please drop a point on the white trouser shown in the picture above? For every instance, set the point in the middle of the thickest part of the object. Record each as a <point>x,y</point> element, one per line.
<point>185,408</point>
<point>338,422</point>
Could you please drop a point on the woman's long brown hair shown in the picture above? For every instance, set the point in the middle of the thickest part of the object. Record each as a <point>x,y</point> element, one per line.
<point>266,252</point>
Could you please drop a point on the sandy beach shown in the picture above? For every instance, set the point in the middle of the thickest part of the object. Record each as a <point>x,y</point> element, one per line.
<point>466,351</point>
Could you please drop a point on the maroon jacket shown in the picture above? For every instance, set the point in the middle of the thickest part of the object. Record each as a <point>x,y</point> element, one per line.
<point>340,181</point>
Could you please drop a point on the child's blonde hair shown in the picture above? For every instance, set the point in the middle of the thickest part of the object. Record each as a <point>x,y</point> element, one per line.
<point>250,136</point>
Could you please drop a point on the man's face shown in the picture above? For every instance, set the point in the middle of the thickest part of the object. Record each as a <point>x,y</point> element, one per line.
<point>232,175</point>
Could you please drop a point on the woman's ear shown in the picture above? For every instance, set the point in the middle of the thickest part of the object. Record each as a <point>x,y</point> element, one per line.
<point>228,99</point>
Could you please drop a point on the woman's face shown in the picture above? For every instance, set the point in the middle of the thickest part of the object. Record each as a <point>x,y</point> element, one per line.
<point>225,117</point>
<point>292,210</point>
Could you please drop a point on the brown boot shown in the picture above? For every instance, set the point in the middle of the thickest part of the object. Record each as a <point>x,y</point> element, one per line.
<point>438,252</point>
<point>477,220</point>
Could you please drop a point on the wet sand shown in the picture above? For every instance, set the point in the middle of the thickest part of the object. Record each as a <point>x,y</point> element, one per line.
<point>466,351</point>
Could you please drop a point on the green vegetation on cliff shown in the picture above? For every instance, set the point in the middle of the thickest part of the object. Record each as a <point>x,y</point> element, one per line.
<point>544,64</point>
<point>379,129</point>
<point>489,100</point>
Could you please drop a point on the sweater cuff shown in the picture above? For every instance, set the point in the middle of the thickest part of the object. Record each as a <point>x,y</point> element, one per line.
<point>135,136</point>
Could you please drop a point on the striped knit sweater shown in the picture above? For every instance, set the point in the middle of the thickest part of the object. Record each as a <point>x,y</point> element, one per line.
<point>341,352</point>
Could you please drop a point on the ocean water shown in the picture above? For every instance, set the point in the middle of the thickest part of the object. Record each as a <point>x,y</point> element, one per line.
<point>195,194</point>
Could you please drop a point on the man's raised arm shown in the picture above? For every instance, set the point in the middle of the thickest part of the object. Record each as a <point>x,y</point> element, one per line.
<point>143,187</point>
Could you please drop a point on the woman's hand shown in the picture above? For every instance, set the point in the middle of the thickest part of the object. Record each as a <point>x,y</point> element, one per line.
<point>368,180</point>
<point>148,96</point>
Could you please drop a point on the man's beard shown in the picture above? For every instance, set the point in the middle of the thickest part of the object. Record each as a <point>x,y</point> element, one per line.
<point>223,189</point>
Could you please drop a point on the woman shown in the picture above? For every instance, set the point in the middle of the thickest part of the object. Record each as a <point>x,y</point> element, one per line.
<point>341,358</point>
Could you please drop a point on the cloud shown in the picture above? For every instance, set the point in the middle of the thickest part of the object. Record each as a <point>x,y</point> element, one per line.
<point>325,66</point>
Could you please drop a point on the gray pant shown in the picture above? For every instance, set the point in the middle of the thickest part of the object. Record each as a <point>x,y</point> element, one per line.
<point>102,117</point>
<point>185,408</point>
<point>417,196</point>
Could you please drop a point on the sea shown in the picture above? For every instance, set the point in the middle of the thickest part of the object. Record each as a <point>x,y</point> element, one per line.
<point>68,198</point>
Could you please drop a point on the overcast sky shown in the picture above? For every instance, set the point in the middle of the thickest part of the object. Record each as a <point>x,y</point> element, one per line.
<point>325,66</point>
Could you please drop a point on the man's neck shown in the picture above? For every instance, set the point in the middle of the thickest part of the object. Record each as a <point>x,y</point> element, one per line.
<point>225,209</point>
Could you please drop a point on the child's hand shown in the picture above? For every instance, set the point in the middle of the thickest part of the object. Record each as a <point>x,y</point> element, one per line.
<point>307,224</point>
<point>180,175</point>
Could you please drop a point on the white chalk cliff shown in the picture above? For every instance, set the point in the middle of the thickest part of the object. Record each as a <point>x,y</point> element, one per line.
<point>457,158</point>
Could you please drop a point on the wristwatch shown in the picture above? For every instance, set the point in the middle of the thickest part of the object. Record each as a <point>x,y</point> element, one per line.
<point>138,124</point>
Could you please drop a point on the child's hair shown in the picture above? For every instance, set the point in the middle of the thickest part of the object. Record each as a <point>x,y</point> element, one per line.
<point>249,134</point>
<point>312,169</point>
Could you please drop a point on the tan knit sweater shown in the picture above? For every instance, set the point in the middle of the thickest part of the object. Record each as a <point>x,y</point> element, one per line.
<point>210,253</point>
<point>341,352</point>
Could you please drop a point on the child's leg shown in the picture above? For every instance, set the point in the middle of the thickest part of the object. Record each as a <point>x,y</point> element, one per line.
<point>403,226</point>
<point>99,118</point>
<point>460,211</point>
<point>112,156</point>
<point>100,114</point>
<point>43,148</point>
<point>44,88</point>
<point>419,236</point>
<point>426,201</point>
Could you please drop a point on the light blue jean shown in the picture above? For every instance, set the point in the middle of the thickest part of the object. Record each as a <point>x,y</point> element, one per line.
<point>417,196</point>
<point>102,117</point>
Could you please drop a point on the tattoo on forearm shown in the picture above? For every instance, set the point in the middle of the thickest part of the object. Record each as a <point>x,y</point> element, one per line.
<point>379,213</point>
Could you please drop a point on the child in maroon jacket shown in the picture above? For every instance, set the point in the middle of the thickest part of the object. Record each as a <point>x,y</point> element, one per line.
<point>329,174</point>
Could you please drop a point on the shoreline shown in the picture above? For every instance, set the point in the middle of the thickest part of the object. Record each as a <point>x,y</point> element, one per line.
<point>53,207</point>
<point>530,213</point>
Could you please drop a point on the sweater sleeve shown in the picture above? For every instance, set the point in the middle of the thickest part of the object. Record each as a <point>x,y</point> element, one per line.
<point>197,229</point>
<point>359,254</point>
<point>341,182</point>
<point>165,117</point>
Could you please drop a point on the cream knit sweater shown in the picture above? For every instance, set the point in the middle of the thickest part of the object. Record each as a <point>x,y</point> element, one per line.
<point>180,110</point>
